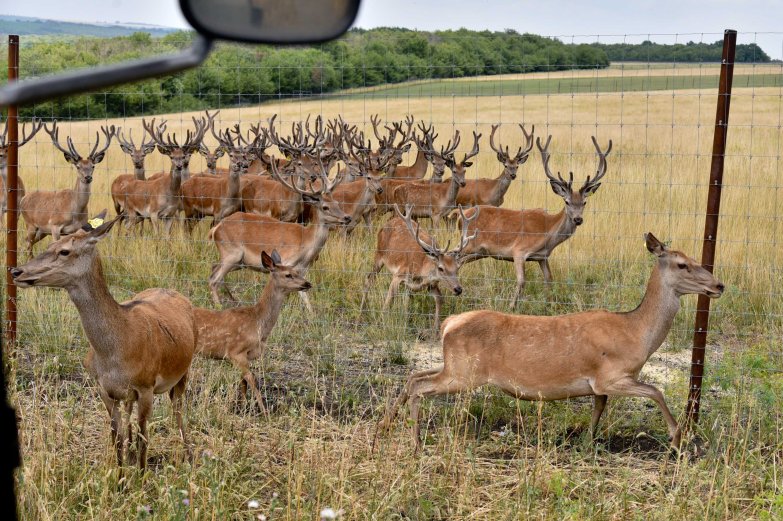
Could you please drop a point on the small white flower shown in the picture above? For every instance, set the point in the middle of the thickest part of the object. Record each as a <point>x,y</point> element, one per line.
<point>261,517</point>
<point>275,494</point>
<point>253,504</point>
<point>328,513</point>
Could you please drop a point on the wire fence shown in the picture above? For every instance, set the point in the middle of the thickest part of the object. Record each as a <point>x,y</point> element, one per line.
<point>658,115</point>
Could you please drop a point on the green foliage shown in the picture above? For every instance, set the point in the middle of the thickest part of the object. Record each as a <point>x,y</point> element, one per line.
<point>648,51</point>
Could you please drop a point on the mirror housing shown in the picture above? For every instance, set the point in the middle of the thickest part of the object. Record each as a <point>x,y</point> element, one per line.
<point>271,21</point>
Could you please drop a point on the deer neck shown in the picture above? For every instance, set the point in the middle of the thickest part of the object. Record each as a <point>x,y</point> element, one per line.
<point>268,308</point>
<point>138,172</point>
<point>500,187</point>
<point>81,197</point>
<point>451,193</point>
<point>102,317</point>
<point>420,165</point>
<point>562,229</point>
<point>317,233</point>
<point>654,317</point>
<point>233,184</point>
<point>175,182</point>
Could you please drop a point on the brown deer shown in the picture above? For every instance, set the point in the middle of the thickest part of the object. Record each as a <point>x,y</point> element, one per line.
<point>415,259</point>
<point>435,200</point>
<point>531,235</point>
<point>62,212</point>
<point>218,195</point>
<point>184,152</point>
<point>240,334</point>
<point>492,191</point>
<point>592,353</point>
<point>137,156</point>
<point>389,152</point>
<point>138,348</point>
<point>241,237</point>
<point>418,170</point>
<point>159,196</point>
<point>4,146</point>
<point>211,159</point>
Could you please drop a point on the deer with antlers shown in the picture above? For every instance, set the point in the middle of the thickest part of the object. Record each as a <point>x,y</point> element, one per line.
<point>592,353</point>
<point>434,200</point>
<point>159,196</point>
<point>137,156</point>
<point>492,191</point>
<point>531,235</point>
<point>389,153</point>
<point>415,259</point>
<point>241,237</point>
<point>138,348</point>
<point>219,196</point>
<point>418,170</point>
<point>62,212</point>
<point>239,334</point>
<point>4,146</point>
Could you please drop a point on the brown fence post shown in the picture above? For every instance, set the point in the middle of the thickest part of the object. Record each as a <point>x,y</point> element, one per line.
<point>711,221</point>
<point>11,196</point>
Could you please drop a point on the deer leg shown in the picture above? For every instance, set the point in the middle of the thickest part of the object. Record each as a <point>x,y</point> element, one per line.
<point>629,387</point>
<point>438,296</point>
<point>393,288</point>
<point>599,403</point>
<point>306,301</point>
<point>115,413</point>
<point>519,267</point>
<point>443,382</point>
<point>219,272</point>
<point>242,363</point>
<point>369,281</point>
<point>544,265</point>
<point>145,407</point>
<point>128,414</point>
<point>391,413</point>
<point>30,240</point>
<point>177,394</point>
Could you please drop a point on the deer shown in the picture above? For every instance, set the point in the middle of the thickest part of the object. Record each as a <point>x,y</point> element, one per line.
<point>414,258</point>
<point>491,192</point>
<point>218,196</point>
<point>240,334</point>
<point>532,234</point>
<point>4,147</point>
<point>183,153</point>
<point>138,348</point>
<point>159,196</point>
<point>63,212</point>
<point>390,153</point>
<point>434,200</point>
<point>241,237</point>
<point>211,158</point>
<point>543,358</point>
<point>137,156</point>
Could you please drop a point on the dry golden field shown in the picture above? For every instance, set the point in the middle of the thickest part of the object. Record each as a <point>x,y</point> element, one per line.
<point>328,377</point>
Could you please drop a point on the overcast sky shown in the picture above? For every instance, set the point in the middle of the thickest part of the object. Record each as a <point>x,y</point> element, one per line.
<point>665,20</point>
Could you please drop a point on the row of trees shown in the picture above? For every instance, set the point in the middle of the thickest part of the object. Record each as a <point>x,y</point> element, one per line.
<point>237,74</point>
<point>648,51</point>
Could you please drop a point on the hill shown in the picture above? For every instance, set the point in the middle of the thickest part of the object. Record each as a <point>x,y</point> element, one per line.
<point>25,25</point>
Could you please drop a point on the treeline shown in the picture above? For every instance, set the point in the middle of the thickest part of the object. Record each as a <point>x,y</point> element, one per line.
<point>239,74</point>
<point>648,51</point>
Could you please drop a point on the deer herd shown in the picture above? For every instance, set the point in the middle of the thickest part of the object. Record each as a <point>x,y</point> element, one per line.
<point>275,214</point>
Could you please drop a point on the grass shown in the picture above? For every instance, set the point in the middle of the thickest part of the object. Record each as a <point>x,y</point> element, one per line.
<point>328,377</point>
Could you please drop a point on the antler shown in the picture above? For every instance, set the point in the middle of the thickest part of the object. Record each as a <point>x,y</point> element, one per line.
<point>475,150</point>
<point>193,139</point>
<point>71,155</point>
<point>464,238</point>
<point>503,154</point>
<point>545,156</point>
<point>430,249</point>
<point>109,133</point>
<point>593,184</point>
<point>326,186</point>
<point>37,124</point>
<point>376,120</point>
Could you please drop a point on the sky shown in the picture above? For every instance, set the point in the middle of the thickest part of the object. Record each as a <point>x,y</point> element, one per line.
<point>666,21</point>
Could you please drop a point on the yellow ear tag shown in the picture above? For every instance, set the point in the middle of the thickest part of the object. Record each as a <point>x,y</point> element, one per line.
<point>95,222</point>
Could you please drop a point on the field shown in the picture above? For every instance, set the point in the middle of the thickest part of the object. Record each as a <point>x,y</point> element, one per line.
<point>328,377</point>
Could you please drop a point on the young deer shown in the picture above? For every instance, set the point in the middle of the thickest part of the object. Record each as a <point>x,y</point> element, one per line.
<point>241,237</point>
<point>159,196</point>
<point>138,348</point>
<point>492,191</point>
<point>4,146</point>
<point>434,200</point>
<point>592,353</point>
<point>239,334</point>
<point>137,156</point>
<point>416,260</point>
<point>63,211</point>
<point>531,235</point>
<point>218,196</point>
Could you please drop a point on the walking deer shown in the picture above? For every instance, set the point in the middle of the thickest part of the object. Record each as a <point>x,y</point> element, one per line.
<point>62,212</point>
<point>416,259</point>
<point>436,200</point>
<point>4,146</point>
<point>138,348</point>
<point>240,334</point>
<point>137,156</point>
<point>592,353</point>
<point>241,237</point>
<point>492,191</point>
<point>531,235</point>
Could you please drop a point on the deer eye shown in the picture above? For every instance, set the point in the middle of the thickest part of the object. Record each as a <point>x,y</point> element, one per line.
<point>289,276</point>
<point>682,265</point>
<point>440,268</point>
<point>64,253</point>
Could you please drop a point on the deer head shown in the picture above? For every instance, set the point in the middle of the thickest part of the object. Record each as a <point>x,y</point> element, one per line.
<point>84,166</point>
<point>169,146</point>
<point>574,200</point>
<point>289,279</point>
<point>137,155</point>
<point>458,170</point>
<point>438,160</point>
<point>511,163</point>
<point>682,273</point>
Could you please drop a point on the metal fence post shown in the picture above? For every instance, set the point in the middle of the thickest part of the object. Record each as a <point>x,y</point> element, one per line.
<point>711,221</point>
<point>11,196</point>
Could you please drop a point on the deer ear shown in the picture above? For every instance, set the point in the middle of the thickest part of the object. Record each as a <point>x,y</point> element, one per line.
<point>99,228</point>
<point>276,257</point>
<point>523,160</point>
<point>655,246</point>
<point>98,158</point>
<point>559,189</point>
<point>406,148</point>
<point>501,158</point>
<point>267,261</point>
